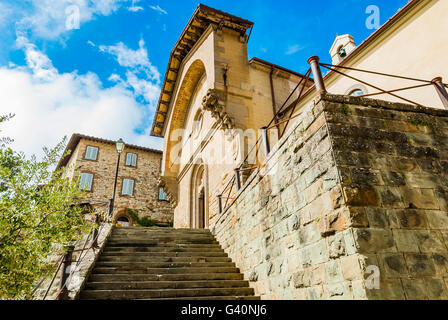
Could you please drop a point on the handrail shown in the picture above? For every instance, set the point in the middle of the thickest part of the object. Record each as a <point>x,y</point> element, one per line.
<point>270,125</point>
<point>373,86</point>
<point>319,85</point>
<point>374,72</point>
<point>52,280</point>
<point>83,253</point>
<point>78,262</point>
<point>396,90</point>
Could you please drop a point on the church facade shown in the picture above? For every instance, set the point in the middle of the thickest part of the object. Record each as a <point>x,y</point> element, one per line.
<point>213,101</point>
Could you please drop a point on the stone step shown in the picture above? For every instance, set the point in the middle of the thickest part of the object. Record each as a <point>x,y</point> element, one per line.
<point>156,263</point>
<point>165,293</point>
<point>159,230</point>
<point>154,243</point>
<point>144,270</point>
<point>168,254</point>
<point>149,250</point>
<point>153,285</point>
<point>150,258</point>
<point>138,265</point>
<point>161,236</point>
<point>165,277</point>
<point>168,247</point>
<point>230,298</point>
<point>162,240</point>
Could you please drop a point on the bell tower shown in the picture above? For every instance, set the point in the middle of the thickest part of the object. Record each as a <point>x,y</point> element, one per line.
<point>342,47</point>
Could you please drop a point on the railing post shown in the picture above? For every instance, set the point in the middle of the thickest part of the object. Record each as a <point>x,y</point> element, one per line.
<point>443,94</point>
<point>237,179</point>
<point>111,208</point>
<point>95,232</point>
<point>264,135</point>
<point>66,263</point>
<point>220,204</point>
<point>317,74</point>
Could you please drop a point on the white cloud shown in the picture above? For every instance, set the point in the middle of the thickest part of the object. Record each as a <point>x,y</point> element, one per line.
<point>49,105</point>
<point>135,9</point>
<point>127,57</point>
<point>48,18</point>
<point>293,49</point>
<point>158,9</point>
<point>5,13</point>
<point>141,75</point>
<point>148,90</point>
<point>38,62</point>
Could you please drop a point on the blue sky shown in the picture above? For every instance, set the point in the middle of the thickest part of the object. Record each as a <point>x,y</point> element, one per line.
<point>104,78</point>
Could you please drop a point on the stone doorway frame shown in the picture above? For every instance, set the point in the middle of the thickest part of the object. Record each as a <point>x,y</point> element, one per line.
<point>199,207</point>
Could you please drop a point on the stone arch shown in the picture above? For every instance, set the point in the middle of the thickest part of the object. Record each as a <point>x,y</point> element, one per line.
<point>123,215</point>
<point>181,106</point>
<point>199,199</point>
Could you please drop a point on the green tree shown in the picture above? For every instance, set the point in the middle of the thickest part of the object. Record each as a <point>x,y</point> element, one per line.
<point>37,216</point>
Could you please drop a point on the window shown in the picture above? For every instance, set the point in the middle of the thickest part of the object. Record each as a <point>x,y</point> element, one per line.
<point>127,189</point>
<point>162,195</point>
<point>197,126</point>
<point>356,92</point>
<point>86,182</point>
<point>131,159</point>
<point>91,153</point>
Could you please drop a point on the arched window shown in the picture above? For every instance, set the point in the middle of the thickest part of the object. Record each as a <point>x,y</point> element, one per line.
<point>356,92</point>
<point>197,125</point>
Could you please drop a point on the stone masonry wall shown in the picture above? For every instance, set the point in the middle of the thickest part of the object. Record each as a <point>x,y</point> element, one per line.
<point>393,162</point>
<point>355,191</point>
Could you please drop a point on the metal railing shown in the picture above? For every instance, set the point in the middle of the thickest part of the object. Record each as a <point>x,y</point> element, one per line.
<point>66,261</point>
<point>319,86</point>
<point>284,110</point>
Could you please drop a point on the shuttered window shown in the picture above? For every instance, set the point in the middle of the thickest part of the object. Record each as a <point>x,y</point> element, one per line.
<point>91,153</point>
<point>162,195</point>
<point>127,188</point>
<point>131,159</point>
<point>86,182</point>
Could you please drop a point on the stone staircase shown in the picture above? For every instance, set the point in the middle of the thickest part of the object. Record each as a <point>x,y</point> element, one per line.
<point>173,264</point>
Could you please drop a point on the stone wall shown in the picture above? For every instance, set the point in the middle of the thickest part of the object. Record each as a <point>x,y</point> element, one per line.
<point>355,192</point>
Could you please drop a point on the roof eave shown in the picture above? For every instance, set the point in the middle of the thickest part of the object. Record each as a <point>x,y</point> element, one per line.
<point>209,17</point>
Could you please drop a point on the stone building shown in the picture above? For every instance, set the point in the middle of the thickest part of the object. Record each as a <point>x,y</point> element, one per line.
<point>351,199</point>
<point>94,162</point>
<point>210,90</point>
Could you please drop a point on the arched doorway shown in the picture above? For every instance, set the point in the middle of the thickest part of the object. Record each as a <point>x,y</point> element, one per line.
<point>199,207</point>
<point>123,219</point>
<point>123,222</point>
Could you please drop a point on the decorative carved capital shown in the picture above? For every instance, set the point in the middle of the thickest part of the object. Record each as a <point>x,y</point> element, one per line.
<point>214,101</point>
